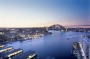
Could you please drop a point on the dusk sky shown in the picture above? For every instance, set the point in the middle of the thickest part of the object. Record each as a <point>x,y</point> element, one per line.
<point>36,13</point>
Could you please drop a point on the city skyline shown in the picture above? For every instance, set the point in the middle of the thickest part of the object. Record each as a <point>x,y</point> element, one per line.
<point>38,13</point>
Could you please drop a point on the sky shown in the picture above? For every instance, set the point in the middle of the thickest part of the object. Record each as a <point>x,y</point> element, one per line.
<point>39,13</point>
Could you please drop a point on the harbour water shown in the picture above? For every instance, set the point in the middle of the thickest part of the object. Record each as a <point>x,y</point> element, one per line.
<point>57,45</point>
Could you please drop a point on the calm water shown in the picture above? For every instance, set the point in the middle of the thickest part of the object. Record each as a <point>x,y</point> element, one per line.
<point>55,45</point>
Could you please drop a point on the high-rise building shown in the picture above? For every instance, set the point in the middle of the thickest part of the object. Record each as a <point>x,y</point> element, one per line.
<point>86,47</point>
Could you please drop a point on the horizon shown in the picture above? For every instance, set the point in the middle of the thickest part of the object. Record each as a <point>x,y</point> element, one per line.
<point>38,13</point>
<point>71,26</point>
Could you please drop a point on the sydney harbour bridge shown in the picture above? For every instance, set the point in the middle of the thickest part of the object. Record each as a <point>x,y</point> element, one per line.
<point>84,51</point>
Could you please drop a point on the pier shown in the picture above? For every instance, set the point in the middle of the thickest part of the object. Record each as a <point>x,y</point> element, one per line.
<point>1,46</point>
<point>10,53</point>
<point>27,55</point>
<point>6,49</point>
<point>14,52</point>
